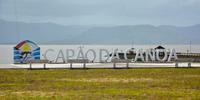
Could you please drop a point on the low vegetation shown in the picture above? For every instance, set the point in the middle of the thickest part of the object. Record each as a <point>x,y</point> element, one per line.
<point>101,84</point>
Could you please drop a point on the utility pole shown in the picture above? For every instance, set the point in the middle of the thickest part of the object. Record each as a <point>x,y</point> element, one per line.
<point>190,46</point>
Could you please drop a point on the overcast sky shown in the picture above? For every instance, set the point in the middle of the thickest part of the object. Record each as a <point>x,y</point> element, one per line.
<point>103,12</point>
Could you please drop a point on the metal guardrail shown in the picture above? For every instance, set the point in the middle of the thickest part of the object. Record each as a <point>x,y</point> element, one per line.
<point>115,61</point>
<point>41,61</point>
<point>85,61</point>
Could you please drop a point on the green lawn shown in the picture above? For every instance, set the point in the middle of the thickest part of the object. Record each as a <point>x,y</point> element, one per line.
<point>101,84</point>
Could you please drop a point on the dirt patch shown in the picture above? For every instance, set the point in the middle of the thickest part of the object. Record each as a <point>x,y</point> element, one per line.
<point>123,80</point>
<point>191,76</point>
<point>34,93</point>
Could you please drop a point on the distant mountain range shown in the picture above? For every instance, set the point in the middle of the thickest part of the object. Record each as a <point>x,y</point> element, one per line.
<point>13,32</point>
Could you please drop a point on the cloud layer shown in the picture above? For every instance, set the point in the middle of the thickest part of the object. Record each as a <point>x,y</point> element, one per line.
<point>103,12</point>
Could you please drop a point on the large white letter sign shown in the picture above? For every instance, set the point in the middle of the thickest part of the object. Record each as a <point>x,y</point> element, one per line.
<point>158,56</point>
<point>139,55</point>
<point>172,55</point>
<point>45,54</point>
<point>80,54</point>
<point>150,54</point>
<point>101,54</point>
<point>68,56</point>
<point>60,55</point>
<point>93,52</point>
<point>115,54</point>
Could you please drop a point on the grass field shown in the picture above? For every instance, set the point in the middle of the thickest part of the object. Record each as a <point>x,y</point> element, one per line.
<point>101,84</point>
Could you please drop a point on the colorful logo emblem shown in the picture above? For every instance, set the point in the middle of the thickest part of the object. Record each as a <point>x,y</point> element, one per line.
<point>26,51</point>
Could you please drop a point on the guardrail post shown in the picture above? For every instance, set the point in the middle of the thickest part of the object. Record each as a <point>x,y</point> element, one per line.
<point>176,65</point>
<point>44,65</point>
<point>127,65</point>
<point>70,65</point>
<point>84,65</point>
<point>114,65</point>
<point>189,65</point>
<point>30,65</point>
